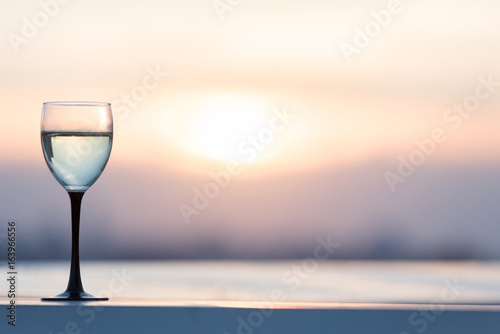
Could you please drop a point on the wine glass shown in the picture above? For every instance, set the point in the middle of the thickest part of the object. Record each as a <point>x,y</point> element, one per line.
<point>76,143</point>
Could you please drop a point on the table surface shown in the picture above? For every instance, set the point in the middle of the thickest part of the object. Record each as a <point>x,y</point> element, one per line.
<point>262,281</point>
<point>266,297</point>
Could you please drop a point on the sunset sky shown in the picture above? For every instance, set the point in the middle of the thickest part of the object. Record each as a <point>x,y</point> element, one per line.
<point>257,106</point>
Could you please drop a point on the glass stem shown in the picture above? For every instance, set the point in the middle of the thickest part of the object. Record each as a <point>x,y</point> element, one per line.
<point>75,286</point>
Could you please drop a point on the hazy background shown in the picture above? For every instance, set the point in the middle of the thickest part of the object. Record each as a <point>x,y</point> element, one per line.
<point>323,174</point>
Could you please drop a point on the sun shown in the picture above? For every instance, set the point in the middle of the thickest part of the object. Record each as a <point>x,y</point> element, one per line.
<point>229,129</point>
<point>216,131</point>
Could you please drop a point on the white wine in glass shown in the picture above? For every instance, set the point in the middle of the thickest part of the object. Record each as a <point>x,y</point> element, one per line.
<point>76,159</point>
<point>76,142</point>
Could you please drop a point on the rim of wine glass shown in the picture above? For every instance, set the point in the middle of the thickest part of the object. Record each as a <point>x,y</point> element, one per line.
<point>77,104</point>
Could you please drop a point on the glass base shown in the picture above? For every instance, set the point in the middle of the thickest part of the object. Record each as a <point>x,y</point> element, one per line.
<point>70,296</point>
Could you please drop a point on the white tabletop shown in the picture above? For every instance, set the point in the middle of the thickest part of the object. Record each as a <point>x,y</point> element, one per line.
<point>329,281</point>
<point>262,297</point>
